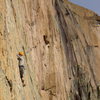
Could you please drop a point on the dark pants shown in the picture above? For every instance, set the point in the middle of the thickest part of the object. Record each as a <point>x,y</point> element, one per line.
<point>21,69</point>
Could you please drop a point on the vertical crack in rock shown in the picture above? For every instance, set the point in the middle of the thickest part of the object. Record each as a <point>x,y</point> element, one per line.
<point>9,83</point>
<point>45,39</point>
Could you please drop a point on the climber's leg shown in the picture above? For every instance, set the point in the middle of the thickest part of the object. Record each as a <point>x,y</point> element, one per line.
<point>21,68</point>
<point>21,74</point>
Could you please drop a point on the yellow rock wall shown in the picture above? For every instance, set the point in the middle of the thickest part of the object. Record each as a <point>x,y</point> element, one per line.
<point>61,42</point>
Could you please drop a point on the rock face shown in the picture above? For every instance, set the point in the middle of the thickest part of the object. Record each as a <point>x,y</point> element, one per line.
<point>61,42</point>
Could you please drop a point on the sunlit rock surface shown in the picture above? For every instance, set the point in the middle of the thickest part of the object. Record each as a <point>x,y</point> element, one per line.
<point>61,42</point>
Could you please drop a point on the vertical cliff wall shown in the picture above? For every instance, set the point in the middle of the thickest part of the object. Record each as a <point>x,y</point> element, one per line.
<point>61,42</point>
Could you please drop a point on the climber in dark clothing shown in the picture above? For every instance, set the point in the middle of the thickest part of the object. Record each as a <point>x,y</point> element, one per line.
<point>21,66</point>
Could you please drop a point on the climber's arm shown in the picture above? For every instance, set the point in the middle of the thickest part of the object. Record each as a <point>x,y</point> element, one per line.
<point>18,57</point>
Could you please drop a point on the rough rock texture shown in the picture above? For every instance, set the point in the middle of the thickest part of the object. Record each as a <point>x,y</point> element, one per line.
<point>61,42</point>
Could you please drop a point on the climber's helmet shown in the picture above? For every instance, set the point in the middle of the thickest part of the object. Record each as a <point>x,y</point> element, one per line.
<point>21,53</point>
